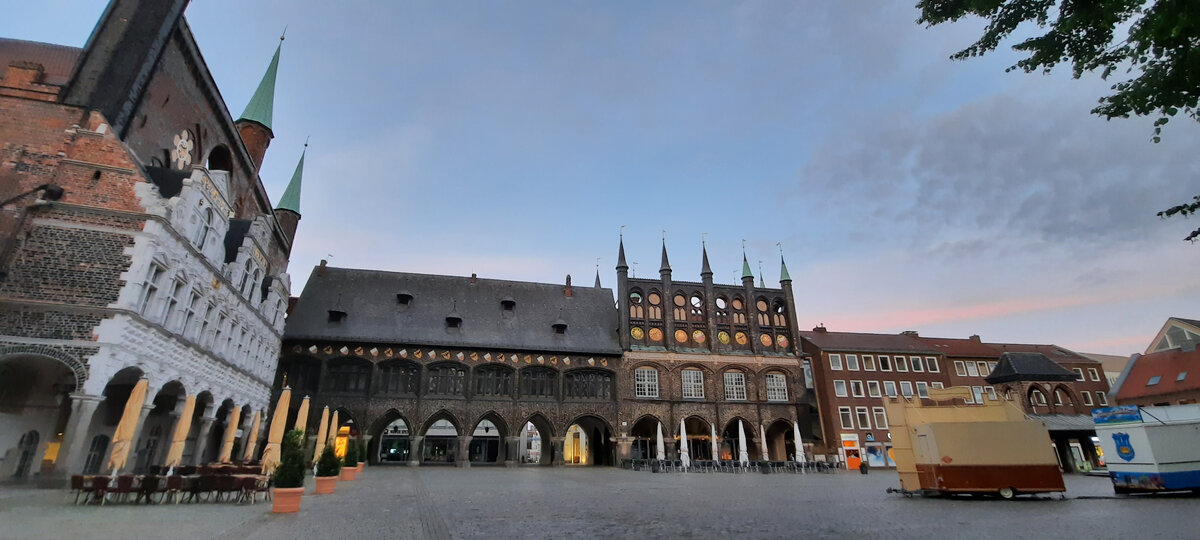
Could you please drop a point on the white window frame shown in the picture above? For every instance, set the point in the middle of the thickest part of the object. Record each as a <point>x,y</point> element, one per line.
<point>977,394</point>
<point>645,382</point>
<point>693,383</point>
<point>936,384</point>
<point>1101,398</point>
<point>150,286</point>
<point>906,389</point>
<point>189,313</point>
<point>881,421</point>
<point>735,386</point>
<point>835,362</point>
<point>868,362</point>
<point>204,220</point>
<point>1094,374</point>
<point>171,311</point>
<point>889,388</point>
<point>960,368</point>
<point>922,389</point>
<point>1079,374</point>
<point>1087,397</point>
<point>1038,397</point>
<point>931,364</point>
<point>856,389</point>
<point>885,362</point>
<point>917,365</point>
<point>852,362</point>
<point>776,384</point>
<point>873,389</point>
<point>972,369</point>
<point>863,416</point>
<point>840,389</point>
<point>991,367</point>
<point>983,369</point>
<point>991,392</point>
<point>901,363</point>
<point>844,414</point>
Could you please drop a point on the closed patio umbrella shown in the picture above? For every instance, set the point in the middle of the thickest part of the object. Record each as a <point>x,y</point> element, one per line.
<point>331,437</point>
<point>235,416</point>
<point>742,455</point>
<point>661,454</point>
<point>123,437</point>
<point>716,449</point>
<point>800,457</point>
<point>683,446</point>
<point>762,442</point>
<point>302,416</point>
<point>179,438</point>
<point>270,458</point>
<point>322,429</point>
<point>252,440</point>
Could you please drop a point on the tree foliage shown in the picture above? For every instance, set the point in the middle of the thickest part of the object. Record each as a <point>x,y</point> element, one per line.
<point>290,472</point>
<point>1159,51</point>
<point>328,464</point>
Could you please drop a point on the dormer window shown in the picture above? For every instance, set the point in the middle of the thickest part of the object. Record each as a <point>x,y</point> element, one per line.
<point>453,322</point>
<point>560,327</point>
<point>403,298</point>
<point>336,316</point>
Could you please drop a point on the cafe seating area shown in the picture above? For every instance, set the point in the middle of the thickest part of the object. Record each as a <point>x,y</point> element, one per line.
<point>216,483</point>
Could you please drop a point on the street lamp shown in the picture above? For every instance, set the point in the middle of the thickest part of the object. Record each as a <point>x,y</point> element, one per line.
<point>50,192</point>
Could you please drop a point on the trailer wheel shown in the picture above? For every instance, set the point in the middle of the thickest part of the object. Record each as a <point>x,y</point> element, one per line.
<point>1007,492</point>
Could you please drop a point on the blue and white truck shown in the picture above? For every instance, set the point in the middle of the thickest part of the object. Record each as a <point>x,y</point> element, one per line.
<point>1151,449</point>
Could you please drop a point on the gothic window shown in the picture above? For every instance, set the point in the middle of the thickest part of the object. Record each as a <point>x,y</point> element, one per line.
<point>779,315</point>
<point>169,315</point>
<point>150,288</point>
<point>399,378</point>
<point>447,380</point>
<point>349,376</point>
<point>764,315</point>
<point>203,228</point>
<point>493,381</point>
<point>1037,397</point>
<point>218,331</point>
<point>693,384</point>
<point>777,387</point>
<point>95,455</point>
<point>189,313</point>
<point>202,333</point>
<point>654,310</point>
<point>696,308</point>
<point>645,382</point>
<point>637,310</point>
<point>254,277</point>
<point>680,310</point>
<point>739,311</point>
<point>246,271</point>
<point>722,310</point>
<point>735,386</point>
<point>588,384</point>
<point>539,382</point>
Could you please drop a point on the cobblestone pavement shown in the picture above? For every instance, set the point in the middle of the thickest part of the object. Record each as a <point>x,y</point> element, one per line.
<point>399,502</point>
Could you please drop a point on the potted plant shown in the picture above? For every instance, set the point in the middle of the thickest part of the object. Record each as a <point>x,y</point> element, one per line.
<point>289,475</point>
<point>328,467</point>
<point>349,463</point>
<point>764,466</point>
<point>362,455</point>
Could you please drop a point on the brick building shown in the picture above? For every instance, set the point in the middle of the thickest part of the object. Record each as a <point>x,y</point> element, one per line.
<point>164,261</point>
<point>1169,371</point>
<point>853,370</point>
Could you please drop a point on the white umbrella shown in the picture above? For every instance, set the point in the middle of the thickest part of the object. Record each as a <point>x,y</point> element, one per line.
<point>800,457</point>
<point>683,446</point>
<point>716,450</point>
<point>662,454</point>
<point>762,443</point>
<point>742,455</point>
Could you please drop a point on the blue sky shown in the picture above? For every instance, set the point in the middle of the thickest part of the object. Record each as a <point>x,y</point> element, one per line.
<point>514,139</point>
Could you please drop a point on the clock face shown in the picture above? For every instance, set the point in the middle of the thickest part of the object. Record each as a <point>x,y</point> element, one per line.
<point>681,336</point>
<point>741,338</point>
<point>698,336</point>
<point>637,332</point>
<point>723,337</point>
<point>680,301</point>
<point>783,341</point>
<point>765,339</point>
<point>656,334</point>
<point>654,298</point>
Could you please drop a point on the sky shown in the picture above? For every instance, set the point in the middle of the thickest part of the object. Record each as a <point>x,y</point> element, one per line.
<point>517,140</point>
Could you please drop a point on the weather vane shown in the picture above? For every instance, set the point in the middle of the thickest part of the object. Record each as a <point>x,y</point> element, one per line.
<point>284,34</point>
<point>703,238</point>
<point>621,232</point>
<point>634,264</point>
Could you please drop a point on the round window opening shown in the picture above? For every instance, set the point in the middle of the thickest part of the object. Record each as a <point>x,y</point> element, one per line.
<point>721,304</point>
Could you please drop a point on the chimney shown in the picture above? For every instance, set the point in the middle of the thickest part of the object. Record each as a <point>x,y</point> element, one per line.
<point>567,289</point>
<point>820,328</point>
<point>474,278</point>
<point>975,338</point>
<point>321,269</point>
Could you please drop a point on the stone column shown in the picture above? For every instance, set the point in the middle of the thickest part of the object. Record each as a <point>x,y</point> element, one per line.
<point>512,456</point>
<point>463,459</point>
<point>74,443</point>
<point>206,424</point>
<point>624,448</point>
<point>415,450</point>
<point>556,446</point>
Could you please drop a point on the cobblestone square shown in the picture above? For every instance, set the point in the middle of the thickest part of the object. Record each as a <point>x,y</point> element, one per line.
<point>434,502</point>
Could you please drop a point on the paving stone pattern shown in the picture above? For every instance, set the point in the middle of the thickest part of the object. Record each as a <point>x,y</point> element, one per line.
<point>434,502</point>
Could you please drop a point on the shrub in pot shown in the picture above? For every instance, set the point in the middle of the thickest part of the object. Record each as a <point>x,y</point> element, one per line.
<point>362,454</point>
<point>288,478</point>
<point>328,468</point>
<point>349,462</point>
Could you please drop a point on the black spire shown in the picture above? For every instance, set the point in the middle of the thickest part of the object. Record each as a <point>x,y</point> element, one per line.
<point>705,269</point>
<point>666,265</point>
<point>621,264</point>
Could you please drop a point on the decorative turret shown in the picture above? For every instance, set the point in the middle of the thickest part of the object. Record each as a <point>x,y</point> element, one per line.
<point>287,212</point>
<point>254,125</point>
<point>705,270</point>
<point>789,296</point>
<point>666,265</point>
<point>622,295</point>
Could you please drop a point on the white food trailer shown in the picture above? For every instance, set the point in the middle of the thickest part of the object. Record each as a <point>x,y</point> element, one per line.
<point>1151,449</point>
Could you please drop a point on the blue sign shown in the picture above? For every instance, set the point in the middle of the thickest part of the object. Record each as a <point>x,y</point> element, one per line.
<point>1124,447</point>
<point>1123,414</point>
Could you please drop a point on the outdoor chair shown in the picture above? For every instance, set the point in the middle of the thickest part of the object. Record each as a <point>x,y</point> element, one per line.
<point>186,470</point>
<point>174,485</point>
<point>125,486</point>
<point>100,488</point>
<point>150,486</point>
<point>226,486</point>
<point>80,488</point>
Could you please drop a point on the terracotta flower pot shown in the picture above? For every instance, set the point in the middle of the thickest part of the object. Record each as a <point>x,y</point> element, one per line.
<point>325,484</point>
<point>360,465</point>
<point>348,473</point>
<point>286,500</point>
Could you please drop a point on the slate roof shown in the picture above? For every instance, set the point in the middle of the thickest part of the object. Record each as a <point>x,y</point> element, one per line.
<point>1053,352</point>
<point>853,341</point>
<point>963,348</point>
<point>1167,365</point>
<point>1028,366</point>
<point>57,60</point>
<point>374,314</point>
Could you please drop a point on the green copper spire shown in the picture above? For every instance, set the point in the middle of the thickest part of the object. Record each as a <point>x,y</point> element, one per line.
<point>746,273</point>
<point>783,273</point>
<point>262,105</point>
<point>291,196</point>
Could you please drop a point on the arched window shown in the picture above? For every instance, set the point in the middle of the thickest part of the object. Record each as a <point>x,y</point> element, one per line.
<point>399,378</point>
<point>349,376</point>
<point>722,310</point>
<point>779,313</point>
<point>246,270</point>
<point>739,310</point>
<point>645,382</point>
<point>680,310</point>
<point>637,307</point>
<point>1037,397</point>
<point>203,228</point>
<point>447,380</point>
<point>763,312</point>
<point>493,381</point>
<point>654,307</point>
<point>588,384</point>
<point>1061,397</point>
<point>539,382</point>
<point>219,159</point>
<point>696,308</point>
